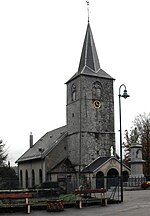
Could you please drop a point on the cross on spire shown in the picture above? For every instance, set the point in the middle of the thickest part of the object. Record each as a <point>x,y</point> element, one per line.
<point>87,2</point>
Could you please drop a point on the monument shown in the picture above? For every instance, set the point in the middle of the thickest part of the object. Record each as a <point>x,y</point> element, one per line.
<point>136,177</point>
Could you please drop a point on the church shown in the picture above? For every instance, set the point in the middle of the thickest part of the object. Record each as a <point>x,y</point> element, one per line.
<point>83,151</point>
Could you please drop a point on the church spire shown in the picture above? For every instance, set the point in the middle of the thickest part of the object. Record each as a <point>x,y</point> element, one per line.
<point>89,57</point>
<point>89,63</point>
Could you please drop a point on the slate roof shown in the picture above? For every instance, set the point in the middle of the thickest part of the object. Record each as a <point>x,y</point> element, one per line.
<point>100,161</point>
<point>47,143</point>
<point>95,164</point>
<point>89,63</point>
<point>89,55</point>
<point>67,165</point>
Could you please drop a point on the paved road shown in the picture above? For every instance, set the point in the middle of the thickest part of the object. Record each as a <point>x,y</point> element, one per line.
<point>136,203</point>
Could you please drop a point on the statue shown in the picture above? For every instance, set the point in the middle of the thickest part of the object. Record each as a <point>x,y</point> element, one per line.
<point>134,135</point>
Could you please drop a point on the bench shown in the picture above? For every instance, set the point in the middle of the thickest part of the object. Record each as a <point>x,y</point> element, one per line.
<point>81,194</point>
<point>14,196</point>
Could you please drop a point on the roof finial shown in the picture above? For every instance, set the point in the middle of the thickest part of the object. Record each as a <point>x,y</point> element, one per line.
<point>87,2</point>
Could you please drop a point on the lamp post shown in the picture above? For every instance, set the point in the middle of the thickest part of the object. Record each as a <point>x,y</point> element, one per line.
<point>124,95</point>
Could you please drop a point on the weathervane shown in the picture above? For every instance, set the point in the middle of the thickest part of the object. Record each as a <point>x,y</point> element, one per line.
<point>87,2</point>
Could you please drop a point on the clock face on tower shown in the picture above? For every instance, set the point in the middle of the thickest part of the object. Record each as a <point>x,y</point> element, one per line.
<point>97,104</point>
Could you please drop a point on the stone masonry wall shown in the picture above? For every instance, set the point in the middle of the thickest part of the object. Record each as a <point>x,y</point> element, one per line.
<point>96,125</point>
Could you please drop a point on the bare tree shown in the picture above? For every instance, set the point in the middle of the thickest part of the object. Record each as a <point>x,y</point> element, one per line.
<point>126,146</point>
<point>3,154</point>
<point>142,123</point>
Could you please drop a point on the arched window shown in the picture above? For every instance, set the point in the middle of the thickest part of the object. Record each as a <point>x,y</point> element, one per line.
<point>96,90</point>
<point>33,178</point>
<point>100,180</point>
<point>21,179</point>
<point>40,176</point>
<point>26,177</point>
<point>73,92</point>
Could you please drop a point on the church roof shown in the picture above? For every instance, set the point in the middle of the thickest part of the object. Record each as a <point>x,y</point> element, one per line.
<point>100,161</point>
<point>46,143</point>
<point>89,55</point>
<point>96,163</point>
<point>89,63</point>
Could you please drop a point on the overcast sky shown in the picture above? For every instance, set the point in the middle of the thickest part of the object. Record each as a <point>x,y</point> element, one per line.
<point>40,48</point>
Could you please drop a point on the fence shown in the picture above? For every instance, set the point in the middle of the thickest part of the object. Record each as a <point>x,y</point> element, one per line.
<point>68,186</point>
<point>135,181</point>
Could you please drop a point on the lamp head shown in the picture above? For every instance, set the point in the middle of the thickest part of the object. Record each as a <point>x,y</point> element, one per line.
<point>125,94</point>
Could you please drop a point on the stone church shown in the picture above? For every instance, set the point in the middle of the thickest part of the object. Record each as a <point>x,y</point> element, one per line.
<point>85,146</point>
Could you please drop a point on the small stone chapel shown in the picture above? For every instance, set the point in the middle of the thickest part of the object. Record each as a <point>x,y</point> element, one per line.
<point>85,146</point>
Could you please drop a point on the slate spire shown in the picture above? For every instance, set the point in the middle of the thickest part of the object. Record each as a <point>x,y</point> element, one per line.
<point>89,57</point>
<point>89,63</point>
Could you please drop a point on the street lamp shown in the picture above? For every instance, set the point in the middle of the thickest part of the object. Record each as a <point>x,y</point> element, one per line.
<point>124,95</point>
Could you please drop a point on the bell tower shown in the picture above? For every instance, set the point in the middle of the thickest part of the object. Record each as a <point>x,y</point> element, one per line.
<point>90,108</point>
